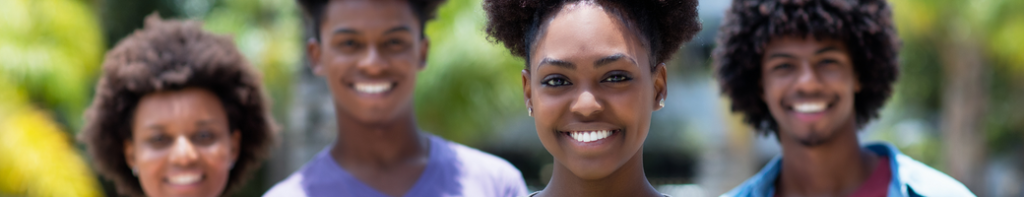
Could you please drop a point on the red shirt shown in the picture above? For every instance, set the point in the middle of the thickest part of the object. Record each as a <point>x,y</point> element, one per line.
<point>878,183</point>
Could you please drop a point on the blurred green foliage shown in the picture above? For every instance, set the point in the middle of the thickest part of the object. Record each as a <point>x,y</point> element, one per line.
<point>50,51</point>
<point>471,87</point>
<point>928,27</point>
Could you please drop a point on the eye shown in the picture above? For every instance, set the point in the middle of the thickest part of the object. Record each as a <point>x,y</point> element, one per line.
<point>204,137</point>
<point>784,66</point>
<point>615,78</point>
<point>160,140</point>
<point>827,62</point>
<point>348,45</point>
<point>395,44</point>
<point>556,81</point>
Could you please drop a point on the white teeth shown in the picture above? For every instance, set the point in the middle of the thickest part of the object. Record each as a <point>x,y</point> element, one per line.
<point>372,88</point>
<point>590,136</point>
<point>184,179</point>
<point>809,107</point>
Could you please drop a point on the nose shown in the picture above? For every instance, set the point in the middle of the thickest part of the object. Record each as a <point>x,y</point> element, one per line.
<point>808,81</point>
<point>586,105</point>
<point>373,64</point>
<point>183,152</point>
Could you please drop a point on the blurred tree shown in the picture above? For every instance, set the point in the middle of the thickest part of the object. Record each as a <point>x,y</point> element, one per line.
<point>470,87</point>
<point>978,45</point>
<point>51,49</point>
<point>36,156</point>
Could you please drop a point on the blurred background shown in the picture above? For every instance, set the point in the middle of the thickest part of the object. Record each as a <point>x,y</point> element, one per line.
<point>958,105</point>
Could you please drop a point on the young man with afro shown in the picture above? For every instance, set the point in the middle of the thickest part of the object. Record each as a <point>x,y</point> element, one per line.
<point>814,72</point>
<point>369,53</point>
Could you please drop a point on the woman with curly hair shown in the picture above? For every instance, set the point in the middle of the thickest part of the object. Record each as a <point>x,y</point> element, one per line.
<point>177,112</point>
<point>813,72</point>
<point>595,71</point>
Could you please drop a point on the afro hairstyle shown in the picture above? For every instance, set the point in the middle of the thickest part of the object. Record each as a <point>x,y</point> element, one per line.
<point>172,55</point>
<point>864,26</point>
<point>425,10</point>
<point>664,24</point>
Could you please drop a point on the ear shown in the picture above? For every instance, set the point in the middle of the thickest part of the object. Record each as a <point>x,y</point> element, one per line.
<point>236,145</point>
<point>424,48</point>
<point>313,50</point>
<point>527,94</point>
<point>129,153</point>
<point>660,77</point>
<point>856,85</point>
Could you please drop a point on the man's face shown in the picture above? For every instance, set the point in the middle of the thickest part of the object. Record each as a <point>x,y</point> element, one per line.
<point>809,86</point>
<point>369,53</point>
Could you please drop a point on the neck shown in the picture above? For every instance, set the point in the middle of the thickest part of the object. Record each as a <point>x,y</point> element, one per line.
<point>834,168</point>
<point>379,145</point>
<point>628,180</point>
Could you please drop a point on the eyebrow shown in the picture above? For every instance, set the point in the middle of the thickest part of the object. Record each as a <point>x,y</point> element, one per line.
<point>826,49</point>
<point>559,63</point>
<point>780,55</point>
<point>353,31</point>
<point>612,58</point>
<point>600,62</point>
<point>155,127</point>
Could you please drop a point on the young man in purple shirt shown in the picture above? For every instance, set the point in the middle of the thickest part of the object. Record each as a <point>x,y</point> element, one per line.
<point>369,52</point>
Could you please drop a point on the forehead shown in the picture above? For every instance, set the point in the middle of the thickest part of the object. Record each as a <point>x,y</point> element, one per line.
<point>368,15</point>
<point>586,30</point>
<point>802,44</point>
<point>178,105</point>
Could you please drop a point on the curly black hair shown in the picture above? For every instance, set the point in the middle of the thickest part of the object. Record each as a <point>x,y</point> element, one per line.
<point>173,55</point>
<point>664,24</point>
<point>425,10</point>
<point>865,26</point>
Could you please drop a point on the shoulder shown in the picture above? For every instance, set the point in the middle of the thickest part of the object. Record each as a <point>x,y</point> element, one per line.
<point>314,174</point>
<point>920,178</point>
<point>744,189</point>
<point>927,181</point>
<point>488,173</point>
<point>761,184</point>
<point>478,161</point>
<point>290,187</point>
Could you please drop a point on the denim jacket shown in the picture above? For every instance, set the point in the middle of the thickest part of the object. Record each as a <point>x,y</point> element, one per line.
<point>910,178</point>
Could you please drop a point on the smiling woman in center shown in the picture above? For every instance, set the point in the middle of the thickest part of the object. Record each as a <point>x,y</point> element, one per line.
<point>595,72</point>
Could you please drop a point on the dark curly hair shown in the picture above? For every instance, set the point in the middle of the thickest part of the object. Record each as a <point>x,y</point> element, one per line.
<point>172,55</point>
<point>424,9</point>
<point>865,26</point>
<point>664,24</point>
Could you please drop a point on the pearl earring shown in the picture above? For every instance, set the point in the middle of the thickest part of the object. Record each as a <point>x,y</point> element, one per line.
<point>530,111</point>
<point>662,103</point>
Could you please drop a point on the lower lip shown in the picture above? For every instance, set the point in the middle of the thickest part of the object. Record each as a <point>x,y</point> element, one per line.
<point>186,187</point>
<point>809,117</point>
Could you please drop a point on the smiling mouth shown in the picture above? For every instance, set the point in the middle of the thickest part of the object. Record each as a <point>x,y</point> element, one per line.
<point>373,87</point>
<point>185,179</point>
<point>590,136</point>
<point>810,107</point>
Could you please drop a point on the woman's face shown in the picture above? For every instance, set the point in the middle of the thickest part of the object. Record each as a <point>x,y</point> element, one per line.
<point>181,144</point>
<point>592,90</point>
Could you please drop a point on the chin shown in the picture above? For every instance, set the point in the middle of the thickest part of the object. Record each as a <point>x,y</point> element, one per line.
<point>581,169</point>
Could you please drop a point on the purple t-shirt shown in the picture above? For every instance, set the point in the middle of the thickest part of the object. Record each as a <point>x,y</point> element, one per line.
<point>452,170</point>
